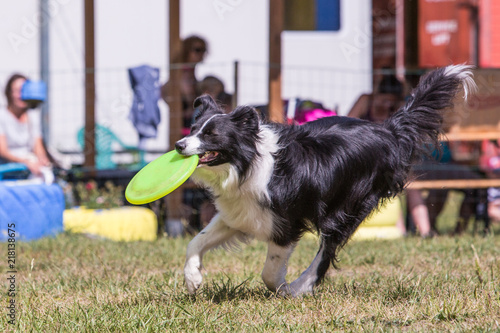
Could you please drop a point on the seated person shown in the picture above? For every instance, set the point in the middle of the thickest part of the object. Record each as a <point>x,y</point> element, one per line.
<point>494,203</point>
<point>490,165</point>
<point>20,133</point>
<point>445,167</point>
<point>215,88</point>
<point>381,104</point>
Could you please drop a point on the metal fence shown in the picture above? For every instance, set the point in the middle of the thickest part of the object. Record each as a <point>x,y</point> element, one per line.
<point>335,88</point>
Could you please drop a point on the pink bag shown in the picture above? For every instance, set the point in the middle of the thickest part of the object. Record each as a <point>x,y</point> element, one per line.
<point>314,114</point>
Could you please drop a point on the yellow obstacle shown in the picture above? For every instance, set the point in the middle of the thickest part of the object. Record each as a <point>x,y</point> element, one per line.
<point>119,224</point>
<point>382,223</point>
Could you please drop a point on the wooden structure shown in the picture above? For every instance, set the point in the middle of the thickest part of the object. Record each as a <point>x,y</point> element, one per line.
<point>430,34</point>
<point>174,199</point>
<point>89,147</point>
<point>479,121</point>
<point>476,120</point>
<point>276,22</point>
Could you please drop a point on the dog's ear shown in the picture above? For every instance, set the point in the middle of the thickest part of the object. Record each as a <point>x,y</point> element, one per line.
<point>245,117</point>
<point>204,104</point>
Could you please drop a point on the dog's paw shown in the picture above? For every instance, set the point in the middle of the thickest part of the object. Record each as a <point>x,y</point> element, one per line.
<point>299,289</point>
<point>283,291</point>
<point>193,278</point>
<point>288,292</point>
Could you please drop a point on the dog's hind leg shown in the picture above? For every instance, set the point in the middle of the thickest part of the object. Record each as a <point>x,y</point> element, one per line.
<point>275,267</point>
<point>216,233</point>
<point>315,272</point>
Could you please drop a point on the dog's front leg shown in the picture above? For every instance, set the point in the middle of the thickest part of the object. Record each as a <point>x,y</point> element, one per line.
<point>213,235</point>
<point>275,268</point>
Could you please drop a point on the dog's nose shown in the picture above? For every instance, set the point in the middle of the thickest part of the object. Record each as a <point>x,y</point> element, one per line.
<point>180,146</point>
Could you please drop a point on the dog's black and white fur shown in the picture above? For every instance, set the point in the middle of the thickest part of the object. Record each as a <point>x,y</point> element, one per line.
<point>274,182</point>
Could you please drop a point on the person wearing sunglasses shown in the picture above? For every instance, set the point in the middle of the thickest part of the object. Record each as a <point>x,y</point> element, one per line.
<point>199,209</point>
<point>193,51</point>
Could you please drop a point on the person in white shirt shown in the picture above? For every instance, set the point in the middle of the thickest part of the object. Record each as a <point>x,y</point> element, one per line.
<point>20,133</point>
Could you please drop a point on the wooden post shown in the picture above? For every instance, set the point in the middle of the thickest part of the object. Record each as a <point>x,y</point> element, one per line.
<point>236,73</point>
<point>174,199</point>
<point>44,66</point>
<point>276,22</point>
<point>89,145</point>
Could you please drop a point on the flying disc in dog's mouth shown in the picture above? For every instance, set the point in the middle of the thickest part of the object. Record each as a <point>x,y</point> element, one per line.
<point>208,157</point>
<point>160,177</point>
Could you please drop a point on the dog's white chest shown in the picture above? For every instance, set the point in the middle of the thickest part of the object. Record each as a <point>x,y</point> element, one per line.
<point>240,205</point>
<point>244,213</point>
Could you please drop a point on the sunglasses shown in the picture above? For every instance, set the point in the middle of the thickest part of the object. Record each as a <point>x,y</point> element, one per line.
<point>199,50</point>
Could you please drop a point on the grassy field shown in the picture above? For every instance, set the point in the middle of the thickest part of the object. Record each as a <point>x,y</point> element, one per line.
<point>73,283</point>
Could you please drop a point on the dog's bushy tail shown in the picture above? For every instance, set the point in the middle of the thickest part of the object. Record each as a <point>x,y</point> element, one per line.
<point>418,123</point>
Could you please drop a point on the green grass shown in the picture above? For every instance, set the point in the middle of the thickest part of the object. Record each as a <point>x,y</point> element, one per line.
<point>72,283</point>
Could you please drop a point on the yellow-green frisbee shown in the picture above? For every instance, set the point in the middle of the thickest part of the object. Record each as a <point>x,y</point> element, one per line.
<point>160,177</point>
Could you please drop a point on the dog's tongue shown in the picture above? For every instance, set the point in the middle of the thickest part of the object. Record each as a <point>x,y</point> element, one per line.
<point>208,156</point>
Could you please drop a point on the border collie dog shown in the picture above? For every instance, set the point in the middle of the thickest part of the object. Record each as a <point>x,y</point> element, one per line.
<point>274,182</point>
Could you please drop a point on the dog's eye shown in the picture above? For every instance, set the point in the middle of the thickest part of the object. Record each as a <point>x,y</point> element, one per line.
<point>209,132</point>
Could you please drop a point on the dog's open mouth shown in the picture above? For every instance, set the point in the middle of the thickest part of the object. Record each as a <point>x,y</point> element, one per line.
<point>208,157</point>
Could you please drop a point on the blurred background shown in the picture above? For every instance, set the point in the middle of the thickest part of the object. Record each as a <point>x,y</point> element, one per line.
<point>105,61</point>
<point>330,50</point>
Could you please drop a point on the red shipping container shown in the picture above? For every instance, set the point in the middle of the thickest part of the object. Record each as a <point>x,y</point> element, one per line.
<point>489,36</point>
<point>444,33</point>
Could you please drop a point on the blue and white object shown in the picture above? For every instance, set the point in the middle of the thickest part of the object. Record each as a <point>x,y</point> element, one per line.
<point>33,211</point>
<point>34,91</point>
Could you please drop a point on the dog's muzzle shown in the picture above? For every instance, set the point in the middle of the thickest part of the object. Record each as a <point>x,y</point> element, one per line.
<point>180,146</point>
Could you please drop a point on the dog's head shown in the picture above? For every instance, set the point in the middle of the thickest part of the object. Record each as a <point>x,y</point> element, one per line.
<point>219,138</point>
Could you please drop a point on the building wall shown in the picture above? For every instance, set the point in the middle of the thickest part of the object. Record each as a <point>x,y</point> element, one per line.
<point>19,40</point>
<point>330,67</point>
